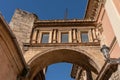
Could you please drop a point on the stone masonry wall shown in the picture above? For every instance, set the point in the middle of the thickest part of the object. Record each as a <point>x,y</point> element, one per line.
<point>21,25</point>
<point>94,52</point>
<point>116,74</point>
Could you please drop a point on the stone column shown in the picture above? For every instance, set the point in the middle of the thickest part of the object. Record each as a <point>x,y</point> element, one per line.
<point>34,36</point>
<point>74,36</point>
<point>89,75</point>
<point>54,36</point>
<point>94,35</point>
<point>90,35</point>
<point>78,74</point>
<point>39,36</point>
<point>70,36</point>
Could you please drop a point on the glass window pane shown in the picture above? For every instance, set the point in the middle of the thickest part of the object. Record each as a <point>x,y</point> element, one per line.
<point>64,37</point>
<point>84,37</point>
<point>45,37</point>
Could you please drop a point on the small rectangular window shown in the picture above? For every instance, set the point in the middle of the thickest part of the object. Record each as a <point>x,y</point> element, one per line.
<point>84,37</point>
<point>45,38</point>
<point>64,37</point>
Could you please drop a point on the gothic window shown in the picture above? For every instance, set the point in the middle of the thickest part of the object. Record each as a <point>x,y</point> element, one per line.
<point>45,38</point>
<point>64,37</point>
<point>84,37</point>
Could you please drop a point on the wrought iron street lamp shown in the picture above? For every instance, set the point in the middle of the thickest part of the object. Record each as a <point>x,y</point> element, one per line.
<point>105,50</point>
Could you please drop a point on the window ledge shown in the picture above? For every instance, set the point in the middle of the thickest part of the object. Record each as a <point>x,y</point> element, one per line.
<point>61,44</point>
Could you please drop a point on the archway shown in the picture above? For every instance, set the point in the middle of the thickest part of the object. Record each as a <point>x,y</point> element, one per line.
<point>44,59</point>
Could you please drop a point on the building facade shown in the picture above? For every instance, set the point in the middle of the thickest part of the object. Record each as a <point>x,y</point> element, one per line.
<point>45,42</point>
<point>12,63</point>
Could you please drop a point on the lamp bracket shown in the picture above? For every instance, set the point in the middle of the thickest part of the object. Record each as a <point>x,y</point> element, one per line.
<point>113,61</point>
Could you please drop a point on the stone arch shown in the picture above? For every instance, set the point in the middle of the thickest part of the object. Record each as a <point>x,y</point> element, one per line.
<point>79,57</point>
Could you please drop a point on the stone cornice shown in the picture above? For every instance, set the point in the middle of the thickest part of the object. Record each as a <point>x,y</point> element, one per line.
<point>93,9</point>
<point>57,23</point>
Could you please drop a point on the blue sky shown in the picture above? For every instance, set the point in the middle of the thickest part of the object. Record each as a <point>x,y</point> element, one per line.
<point>45,9</point>
<point>60,71</point>
<point>48,9</point>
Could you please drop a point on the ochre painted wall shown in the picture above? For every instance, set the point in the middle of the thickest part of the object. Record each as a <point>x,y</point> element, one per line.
<point>117,5</point>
